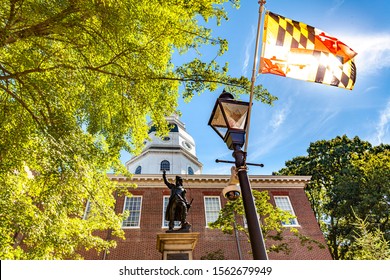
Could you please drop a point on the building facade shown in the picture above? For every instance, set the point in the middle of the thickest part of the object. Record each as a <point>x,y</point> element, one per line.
<point>176,154</point>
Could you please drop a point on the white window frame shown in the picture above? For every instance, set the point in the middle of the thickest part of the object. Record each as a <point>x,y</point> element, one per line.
<point>207,210</point>
<point>138,210</point>
<point>286,206</point>
<point>165,224</point>
<point>87,210</point>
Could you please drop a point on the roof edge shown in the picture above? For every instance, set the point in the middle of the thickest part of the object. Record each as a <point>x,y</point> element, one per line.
<point>256,180</point>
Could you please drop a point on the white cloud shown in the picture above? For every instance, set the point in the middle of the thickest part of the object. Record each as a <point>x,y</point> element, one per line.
<point>373,52</point>
<point>383,125</point>
<point>279,117</point>
<point>265,143</point>
<point>246,61</point>
<point>265,140</point>
<point>373,48</point>
<point>336,4</point>
<point>250,42</point>
<point>370,89</point>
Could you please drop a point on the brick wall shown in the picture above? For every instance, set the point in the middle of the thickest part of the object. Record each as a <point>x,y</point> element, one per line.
<point>308,226</point>
<point>140,243</point>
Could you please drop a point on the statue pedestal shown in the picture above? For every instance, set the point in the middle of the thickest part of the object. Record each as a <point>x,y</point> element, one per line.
<point>177,246</point>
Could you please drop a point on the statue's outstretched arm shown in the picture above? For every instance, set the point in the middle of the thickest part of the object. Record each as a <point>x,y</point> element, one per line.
<point>169,185</point>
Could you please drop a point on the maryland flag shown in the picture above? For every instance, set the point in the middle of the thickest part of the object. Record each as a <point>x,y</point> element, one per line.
<point>297,50</point>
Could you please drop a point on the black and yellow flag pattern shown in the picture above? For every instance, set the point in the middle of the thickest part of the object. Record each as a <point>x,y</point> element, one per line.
<point>297,50</point>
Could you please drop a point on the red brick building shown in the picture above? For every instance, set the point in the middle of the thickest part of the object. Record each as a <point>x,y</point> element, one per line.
<point>176,154</point>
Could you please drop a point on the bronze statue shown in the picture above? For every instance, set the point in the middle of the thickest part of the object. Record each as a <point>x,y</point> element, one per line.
<point>178,205</point>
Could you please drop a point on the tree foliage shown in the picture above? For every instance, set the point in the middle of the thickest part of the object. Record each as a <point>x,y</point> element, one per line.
<point>272,227</point>
<point>79,80</point>
<point>350,181</point>
<point>370,244</point>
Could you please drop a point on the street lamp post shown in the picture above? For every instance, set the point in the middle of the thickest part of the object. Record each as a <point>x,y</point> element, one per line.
<point>229,119</point>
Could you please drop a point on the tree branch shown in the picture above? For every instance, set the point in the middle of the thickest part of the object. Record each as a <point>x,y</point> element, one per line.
<point>21,102</point>
<point>40,29</point>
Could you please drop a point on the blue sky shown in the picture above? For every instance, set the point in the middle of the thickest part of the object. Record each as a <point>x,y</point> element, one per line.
<point>305,112</point>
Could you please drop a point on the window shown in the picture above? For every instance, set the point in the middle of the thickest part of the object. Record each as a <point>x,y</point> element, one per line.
<point>190,170</point>
<point>283,202</point>
<point>87,210</point>
<point>165,165</point>
<point>165,205</point>
<point>133,204</point>
<point>212,205</point>
<point>138,169</point>
<point>186,145</point>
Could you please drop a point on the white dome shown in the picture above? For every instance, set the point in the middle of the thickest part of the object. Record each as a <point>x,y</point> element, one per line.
<point>176,153</point>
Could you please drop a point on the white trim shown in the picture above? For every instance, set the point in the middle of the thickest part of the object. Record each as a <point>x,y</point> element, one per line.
<point>218,181</point>
<point>205,208</point>
<point>140,211</point>
<point>291,209</point>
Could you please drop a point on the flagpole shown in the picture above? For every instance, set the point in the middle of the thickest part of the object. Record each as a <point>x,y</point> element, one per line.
<point>253,79</point>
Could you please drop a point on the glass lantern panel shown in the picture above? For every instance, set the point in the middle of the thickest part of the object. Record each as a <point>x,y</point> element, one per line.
<point>236,115</point>
<point>221,130</point>
<point>218,119</point>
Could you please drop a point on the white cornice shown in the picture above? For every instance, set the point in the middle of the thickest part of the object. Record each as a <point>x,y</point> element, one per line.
<point>215,181</point>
